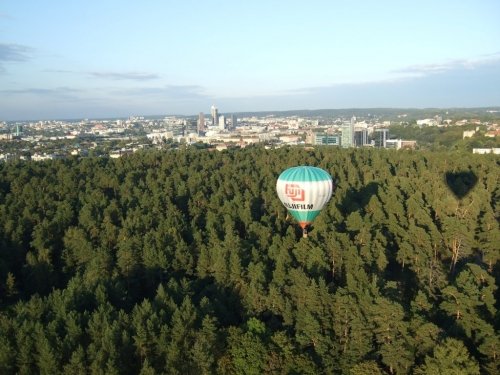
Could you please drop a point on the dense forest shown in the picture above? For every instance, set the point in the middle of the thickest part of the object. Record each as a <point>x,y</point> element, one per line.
<point>185,262</point>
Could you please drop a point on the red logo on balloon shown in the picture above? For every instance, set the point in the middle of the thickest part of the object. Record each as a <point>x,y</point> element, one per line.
<point>295,192</point>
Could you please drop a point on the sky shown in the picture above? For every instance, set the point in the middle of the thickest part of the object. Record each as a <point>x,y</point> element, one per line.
<point>108,58</point>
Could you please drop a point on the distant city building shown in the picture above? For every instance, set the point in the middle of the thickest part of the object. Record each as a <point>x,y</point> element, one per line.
<point>159,137</point>
<point>234,121</point>
<point>325,139</point>
<point>468,133</point>
<point>407,144</point>
<point>348,133</point>
<point>222,122</point>
<point>119,153</point>
<point>289,139</point>
<point>361,137</point>
<point>7,157</point>
<point>189,126</point>
<point>7,136</point>
<point>215,115</point>
<point>44,156</point>
<point>427,122</point>
<point>19,130</point>
<point>492,133</point>
<point>201,123</point>
<point>399,144</point>
<point>495,151</point>
<point>381,139</point>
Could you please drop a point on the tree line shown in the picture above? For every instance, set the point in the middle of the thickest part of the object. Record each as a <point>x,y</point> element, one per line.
<point>185,262</point>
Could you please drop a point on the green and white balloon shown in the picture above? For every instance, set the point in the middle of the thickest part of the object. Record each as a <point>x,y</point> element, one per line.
<point>304,191</point>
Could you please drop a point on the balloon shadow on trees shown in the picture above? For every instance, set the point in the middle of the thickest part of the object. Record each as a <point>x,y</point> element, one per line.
<point>225,302</point>
<point>460,183</point>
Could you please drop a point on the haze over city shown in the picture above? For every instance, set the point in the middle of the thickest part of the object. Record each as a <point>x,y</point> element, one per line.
<point>92,59</point>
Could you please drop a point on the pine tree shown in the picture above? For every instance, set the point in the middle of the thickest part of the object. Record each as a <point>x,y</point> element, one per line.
<point>366,368</point>
<point>10,286</point>
<point>47,361</point>
<point>449,358</point>
<point>248,352</point>
<point>7,356</point>
<point>77,364</point>
<point>204,350</point>
<point>391,331</point>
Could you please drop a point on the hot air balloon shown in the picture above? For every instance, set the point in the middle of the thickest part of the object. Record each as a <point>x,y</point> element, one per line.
<point>304,191</point>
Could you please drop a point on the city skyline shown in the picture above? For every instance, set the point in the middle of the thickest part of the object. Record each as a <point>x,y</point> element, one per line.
<point>116,59</point>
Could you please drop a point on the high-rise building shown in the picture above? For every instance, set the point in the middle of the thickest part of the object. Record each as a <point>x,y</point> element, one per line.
<point>222,122</point>
<point>215,115</point>
<point>361,137</point>
<point>201,122</point>
<point>19,130</point>
<point>347,136</point>
<point>381,140</point>
<point>348,133</point>
<point>234,121</point>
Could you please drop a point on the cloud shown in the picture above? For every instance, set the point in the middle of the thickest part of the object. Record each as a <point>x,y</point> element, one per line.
<point>449,79</point>
<point>114,76</point>
<point>183,92</point>
<point>117,76</point>
<point>471,84</point>
<point>63,71</point>
<point>14,52</point>
<point>40,91</point>
<point>470,63</point>
<point>65,93</point>
<point>11,53</point>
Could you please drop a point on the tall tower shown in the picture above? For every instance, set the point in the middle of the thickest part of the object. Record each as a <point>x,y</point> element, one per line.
<point>201,122</point>
<point>215,115</point>
<point>382,142</point>
<point>222,122</point>
<point>234,121</point>
<point>347,136</point>
<point>348,133</point>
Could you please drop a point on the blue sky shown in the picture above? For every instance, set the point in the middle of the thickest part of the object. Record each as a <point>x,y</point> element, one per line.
<point>107,58</point>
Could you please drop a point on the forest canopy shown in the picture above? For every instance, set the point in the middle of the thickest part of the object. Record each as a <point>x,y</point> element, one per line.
<point>186,262</point>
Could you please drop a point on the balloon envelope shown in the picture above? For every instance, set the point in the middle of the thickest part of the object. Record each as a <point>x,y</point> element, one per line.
<point>304,191</point>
